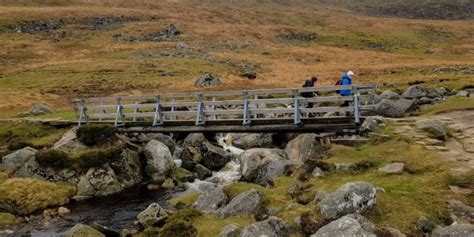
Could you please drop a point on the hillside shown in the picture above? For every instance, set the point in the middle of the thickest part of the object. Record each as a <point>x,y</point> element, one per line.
<point>53,51</point>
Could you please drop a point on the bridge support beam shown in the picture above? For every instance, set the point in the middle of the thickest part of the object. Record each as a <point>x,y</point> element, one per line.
<point>158,119</point>
<point>246,118</point>
<point>296,112</point>
<point>200,117</point>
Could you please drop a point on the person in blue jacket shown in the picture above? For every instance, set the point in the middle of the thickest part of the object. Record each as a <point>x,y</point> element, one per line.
<point>346,80</point>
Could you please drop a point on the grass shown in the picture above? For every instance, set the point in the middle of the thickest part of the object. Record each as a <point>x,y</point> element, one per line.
<point>28,195</point>
<point>6,218</point>
<point>186,199</point>
<point>208,225</point>
<point>451,104</point>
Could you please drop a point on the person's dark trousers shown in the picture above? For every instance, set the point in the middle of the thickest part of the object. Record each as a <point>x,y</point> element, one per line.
<point>346,104</point>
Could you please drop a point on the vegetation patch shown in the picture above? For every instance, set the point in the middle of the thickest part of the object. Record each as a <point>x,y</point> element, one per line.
<point>185,200</point>
<point>181,224</point>
<point>97,134</point>
<point>25,195</point>
<point>98,157</point>
<point>451,104</point>
<point>53,158</point>
<point>6,218</point>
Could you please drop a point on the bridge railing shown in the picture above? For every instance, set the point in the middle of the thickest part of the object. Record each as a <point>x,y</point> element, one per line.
<point>246,106</point>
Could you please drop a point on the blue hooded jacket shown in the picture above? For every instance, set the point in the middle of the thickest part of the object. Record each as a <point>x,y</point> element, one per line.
<point>346,80</point>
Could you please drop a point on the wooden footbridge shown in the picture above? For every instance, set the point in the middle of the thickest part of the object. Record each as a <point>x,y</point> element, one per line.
<point>264,110</point>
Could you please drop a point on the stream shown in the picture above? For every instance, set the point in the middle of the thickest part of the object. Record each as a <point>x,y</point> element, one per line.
<point>119,211</point>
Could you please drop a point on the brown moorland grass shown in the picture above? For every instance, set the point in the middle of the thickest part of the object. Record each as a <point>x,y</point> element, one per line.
<point>90,63</point>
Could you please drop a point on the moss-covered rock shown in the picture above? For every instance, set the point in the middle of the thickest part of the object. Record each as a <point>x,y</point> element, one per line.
<point>97,134</point>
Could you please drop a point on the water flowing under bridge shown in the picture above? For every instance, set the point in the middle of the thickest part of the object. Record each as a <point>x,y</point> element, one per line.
<point>263,110</point>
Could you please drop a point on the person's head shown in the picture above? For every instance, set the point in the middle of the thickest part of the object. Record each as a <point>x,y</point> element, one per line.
<point>314,78</point>
<point>350,74</point>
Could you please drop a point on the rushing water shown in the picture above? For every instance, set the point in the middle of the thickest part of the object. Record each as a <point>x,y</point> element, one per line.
<point>119,211</point>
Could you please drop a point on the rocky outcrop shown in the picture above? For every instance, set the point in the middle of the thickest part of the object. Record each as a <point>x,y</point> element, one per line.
<point>14,161</point>
<point>395,108</point>
<point>262,165</point>
<point>271,227</point>
<point>414,92</point>
<point>349,225</point>
<point>152,215</point>
<point>190,157</point>
<point>194,139</point>
<point>372,123</point>
<point>98,182</point>
<point>435,128</point>
<point>252,140</point>
<point>210,202</point>
<point>159,161</point>
<point>207,80</point>
<point>249,202</point>
<point>69,142</point>
<point>455,230</point>
<point>128,169</point>
<point>82,230</point>
<point>358,197</point>
<point>392,168</point>
<point>305,147</point>
<point>230,231</point>
<point>460,212</point>
<point>167,140</point>
<point>39,109</point>
<point>388,95</point>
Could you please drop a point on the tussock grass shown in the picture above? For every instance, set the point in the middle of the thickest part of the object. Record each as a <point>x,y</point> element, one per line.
<point>28,195</point>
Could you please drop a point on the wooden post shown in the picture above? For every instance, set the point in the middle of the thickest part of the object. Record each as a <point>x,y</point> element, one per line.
<point>158,119</point>
<point>246,118</point>
<point>135,111</point>
<point>214,117</point>
<point>256,106</point>
<point>200,119</point>
<point>296,112</point>
<point>356,104</point>
<point>173,101</point>
<point>82,113</point>
<point>119,114</point>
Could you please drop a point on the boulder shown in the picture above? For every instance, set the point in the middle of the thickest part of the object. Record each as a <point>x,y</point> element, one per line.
<point>207,80</point>
<point>454,230</point>
<point>349,225</point>
<point>14,161</point>
<point>81,230</point>
<point>128,169</point>
<point>209,202</point>
<point>248,202</point>
<point>39,109</point>
<point>252,140</point>
<point>390,95</point>
<point>190,157</point>
<point>392,168</point>
<point>437,92</point>
<point>372,123</point>
<point>392,232</point>
<point>424,101</point>
<point>167,140</point>
<point>102,180</point>
<point>213,157</point>
<point>230,231</point>
<point>202,172</point>
<point>463,93</point>
<point>262,165</point>
<point>152,215</point>
<point>425,225</point>
<point>159,161</point>
<point>395,108</point>
<point>435,128</point>
<point>305,147</point>
<point>414,92</point>
<point>69,142</point>
<point>271,227</point>
<point>194,139</point>
<point>358,197</point>
<point>460,212</point>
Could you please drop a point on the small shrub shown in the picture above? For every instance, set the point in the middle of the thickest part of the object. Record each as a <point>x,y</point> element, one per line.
<point>19,145</point>
<point>151,232</point>
<point>309,224</point>
<point>96,158</point>
<point>52,158</point>
<point>188,214</point>
<point>92,135</point>
<point>178,228</point>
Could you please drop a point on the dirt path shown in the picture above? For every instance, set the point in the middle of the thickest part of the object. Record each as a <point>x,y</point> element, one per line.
<point>458,149</point>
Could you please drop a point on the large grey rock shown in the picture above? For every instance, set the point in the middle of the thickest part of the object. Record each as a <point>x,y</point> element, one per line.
<point>80,230</point>
<point>38,109</point>
<point>262,165</point>
<point>190,157</point>
<point>213,157</point>
<point>271,227</point>
<point>349,225</point>
<point>69,142</point>
<point>248,202</point>
<point>394,108</point>
<point>392,232</point>
<point>211,201</point>
<point>460,212</point>
<point>194,139</point>
<point>414,92</point>
<point>102,180</point>
<point>252,140</point>
<point>358,197</point>
<point>392,168</point>
<point>463,93</point>
<point>455,230</point>
<point>128,169</point>
<point>230,231</point>
<point>159,161</point>
<point>152,215</point>
<point>167,140</point>
<point>305,147</point>
<point>207,80</point>
<point>388,95</point>
<point>435,128</point>
<point>372,123</point>
<point>14,161</point>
